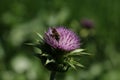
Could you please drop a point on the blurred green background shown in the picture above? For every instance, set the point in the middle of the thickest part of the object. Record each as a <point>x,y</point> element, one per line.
<point>20,19</point>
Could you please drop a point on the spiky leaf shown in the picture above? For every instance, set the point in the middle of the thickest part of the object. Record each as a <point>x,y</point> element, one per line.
<point>78,54</point>
<point>49,61</point>
<point>41,38</point>
<point>71,65</point>
<point>77,51</point>
<point>77,63</point>
<point>37,50</point>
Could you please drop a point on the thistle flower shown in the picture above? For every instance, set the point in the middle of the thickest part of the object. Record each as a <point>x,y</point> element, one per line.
<point>59,46</point>
<point>58,50</point>
<point>62,39</point>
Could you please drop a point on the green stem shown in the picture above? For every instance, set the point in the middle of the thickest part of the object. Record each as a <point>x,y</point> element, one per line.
<point>52,75</point>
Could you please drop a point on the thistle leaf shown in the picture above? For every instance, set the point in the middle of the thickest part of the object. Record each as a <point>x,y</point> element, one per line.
<point>30,44</point>
<point>77,63</point>
<point>84,53</point>
<point>77,51</point>
<point>80,65</point>
<point>39,36</point>
<point>71,65</point>
<point>79,54</point>
<point>49,61</point>
<point>45,55</point>
<point>37,50</point>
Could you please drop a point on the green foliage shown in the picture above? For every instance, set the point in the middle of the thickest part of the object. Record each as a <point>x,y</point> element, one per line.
<point>20,19</point>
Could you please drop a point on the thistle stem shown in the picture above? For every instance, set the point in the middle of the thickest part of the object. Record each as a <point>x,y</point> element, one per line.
<point>52,75</point>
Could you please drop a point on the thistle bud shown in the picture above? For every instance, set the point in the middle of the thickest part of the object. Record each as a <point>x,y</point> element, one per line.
<point>87,23</point>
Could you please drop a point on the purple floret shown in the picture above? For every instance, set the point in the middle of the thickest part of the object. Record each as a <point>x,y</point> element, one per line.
<point>62,39</point>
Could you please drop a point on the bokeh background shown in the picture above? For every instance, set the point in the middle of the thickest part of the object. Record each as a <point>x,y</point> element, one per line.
<point>20,19</point>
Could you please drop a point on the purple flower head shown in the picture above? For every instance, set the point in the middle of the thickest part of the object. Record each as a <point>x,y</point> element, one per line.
<point>62,39</point>
<point>86,23</point>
